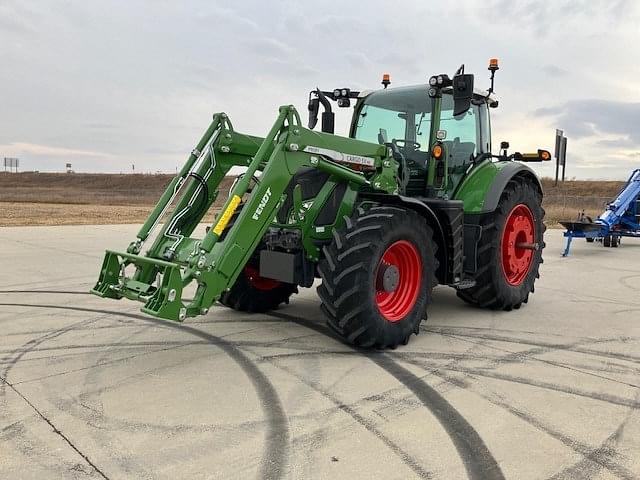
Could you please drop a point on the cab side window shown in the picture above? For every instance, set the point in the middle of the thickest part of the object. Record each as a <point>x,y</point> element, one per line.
<point>462,141</point>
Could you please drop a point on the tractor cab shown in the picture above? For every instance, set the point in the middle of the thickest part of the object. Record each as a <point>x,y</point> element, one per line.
<point>434,131</point>
<point>402,117</point>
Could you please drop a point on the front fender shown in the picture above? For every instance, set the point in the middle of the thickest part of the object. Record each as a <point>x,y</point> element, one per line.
<point>481,189</point>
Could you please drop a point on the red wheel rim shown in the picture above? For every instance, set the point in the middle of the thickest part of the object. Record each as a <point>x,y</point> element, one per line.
<point>396,304</point>
<point>256,281</point>
<point>519,230</point>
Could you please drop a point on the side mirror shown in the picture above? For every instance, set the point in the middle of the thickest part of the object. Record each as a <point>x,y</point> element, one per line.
<point>462,93</point>
<point>314,107</point>
<point>317,97</point>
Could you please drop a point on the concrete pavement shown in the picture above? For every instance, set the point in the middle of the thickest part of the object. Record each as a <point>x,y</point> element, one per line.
<point>92,388</point>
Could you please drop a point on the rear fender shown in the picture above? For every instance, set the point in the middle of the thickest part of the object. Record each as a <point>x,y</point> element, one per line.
<point>483,186</point>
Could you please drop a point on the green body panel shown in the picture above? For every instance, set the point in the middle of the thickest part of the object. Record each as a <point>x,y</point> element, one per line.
<point>473,189</point>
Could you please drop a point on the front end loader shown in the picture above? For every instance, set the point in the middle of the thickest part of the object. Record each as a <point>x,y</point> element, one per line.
<point>411,199</point>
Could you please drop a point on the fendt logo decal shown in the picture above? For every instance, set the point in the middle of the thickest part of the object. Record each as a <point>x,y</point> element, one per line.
<point>262,204</point>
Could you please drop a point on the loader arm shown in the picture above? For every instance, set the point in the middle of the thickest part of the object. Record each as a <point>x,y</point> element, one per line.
<point>176,260</point>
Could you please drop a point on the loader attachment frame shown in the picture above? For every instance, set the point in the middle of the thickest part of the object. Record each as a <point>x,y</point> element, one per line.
<point>175,259</point>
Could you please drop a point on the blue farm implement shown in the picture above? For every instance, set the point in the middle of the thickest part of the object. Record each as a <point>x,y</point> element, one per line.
<point>620,219</point>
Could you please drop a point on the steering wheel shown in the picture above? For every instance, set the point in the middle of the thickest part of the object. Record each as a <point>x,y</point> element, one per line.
<point>404,143</point>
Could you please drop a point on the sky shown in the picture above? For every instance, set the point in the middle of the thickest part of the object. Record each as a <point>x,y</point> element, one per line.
<point>108,85</point>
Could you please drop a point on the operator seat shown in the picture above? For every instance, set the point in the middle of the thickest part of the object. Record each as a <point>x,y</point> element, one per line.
<point>459,155</point>
<point>459,152</point>
<point>417,162</point>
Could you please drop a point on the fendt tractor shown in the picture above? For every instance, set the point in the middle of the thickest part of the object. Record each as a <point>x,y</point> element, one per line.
<point>412,198</point>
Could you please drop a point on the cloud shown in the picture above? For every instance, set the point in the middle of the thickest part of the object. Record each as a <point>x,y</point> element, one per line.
<point>27,149</point>
<point>595,117</point>
<point>554,71</point>
<point>112,83</point>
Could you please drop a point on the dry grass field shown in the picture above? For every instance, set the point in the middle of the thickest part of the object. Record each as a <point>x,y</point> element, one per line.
<point>565,201</point>
<point>79,198</point>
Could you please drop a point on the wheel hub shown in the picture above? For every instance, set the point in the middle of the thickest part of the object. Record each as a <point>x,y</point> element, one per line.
<point>388,277</point>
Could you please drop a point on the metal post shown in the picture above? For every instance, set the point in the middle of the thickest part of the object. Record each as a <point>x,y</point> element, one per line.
<point>564,156</point>
<point>559,135</point>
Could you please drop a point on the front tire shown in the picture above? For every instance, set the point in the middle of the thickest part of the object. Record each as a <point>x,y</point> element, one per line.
<point>377,276</point>
<point>509,250</point>
<point>255,294</point>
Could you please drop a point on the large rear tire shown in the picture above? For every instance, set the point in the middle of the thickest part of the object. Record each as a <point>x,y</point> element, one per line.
<point>509,250</point>
<point>377,276</point>
<point>255,294</point>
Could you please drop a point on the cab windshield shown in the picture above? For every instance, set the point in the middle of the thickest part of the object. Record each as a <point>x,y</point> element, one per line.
<point>404,115</point>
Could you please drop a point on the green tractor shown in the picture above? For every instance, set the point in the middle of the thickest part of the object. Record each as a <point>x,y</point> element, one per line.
<point>412,198</point>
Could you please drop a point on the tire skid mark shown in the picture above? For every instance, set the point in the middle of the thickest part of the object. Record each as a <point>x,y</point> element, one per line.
<point>597,298</point>
<point>415,466</point>
<point>603,397</point>
<point>93,329</point>
<point>481,372</point>
<point>174,345</point>
<point>544,345</point>
<point>129,465</point>
<point>475,455</point>
<point>524,356</point>
<point>102,345</point>
<point>26,348</point>
<point>350,410</point>
<point>589,453</point>
<point>95,347</point>
<point>78,407</point>
<point>274,460</point>
<point>555,346</point>
<point>56,430</point>
<point>103,363</point>
<point>31,345</point>
<point>624,281</point>
<point>594,461</point>
<point>492,329</point>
